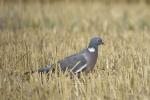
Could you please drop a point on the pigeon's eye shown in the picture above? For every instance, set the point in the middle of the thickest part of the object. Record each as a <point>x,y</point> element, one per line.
<point>98,41</point>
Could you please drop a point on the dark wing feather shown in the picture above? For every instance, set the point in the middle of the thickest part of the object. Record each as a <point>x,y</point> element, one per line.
<point>73,62</point>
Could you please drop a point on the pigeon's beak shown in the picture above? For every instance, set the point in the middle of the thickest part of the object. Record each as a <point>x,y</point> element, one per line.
<point>102,42</point>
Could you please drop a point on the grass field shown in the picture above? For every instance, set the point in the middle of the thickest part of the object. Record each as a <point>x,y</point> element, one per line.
<point>35,35</point>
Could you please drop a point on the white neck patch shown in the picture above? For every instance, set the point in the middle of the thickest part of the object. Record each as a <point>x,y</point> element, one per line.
<point>91,49</point>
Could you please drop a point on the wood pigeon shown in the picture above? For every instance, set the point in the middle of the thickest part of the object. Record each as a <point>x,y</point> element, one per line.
<point>84,61</point>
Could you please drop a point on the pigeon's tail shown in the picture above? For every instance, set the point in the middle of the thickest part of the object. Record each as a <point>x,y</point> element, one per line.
<point>46,69</point>
<point>42,70</point>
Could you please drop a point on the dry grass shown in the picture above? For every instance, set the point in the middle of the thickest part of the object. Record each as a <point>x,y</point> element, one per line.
<point>35,35</point>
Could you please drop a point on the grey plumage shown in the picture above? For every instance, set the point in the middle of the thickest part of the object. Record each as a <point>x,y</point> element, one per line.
<point>45,69</point>
<point>82,61</point>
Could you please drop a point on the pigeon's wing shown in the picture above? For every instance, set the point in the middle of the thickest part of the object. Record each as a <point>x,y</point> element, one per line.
<point>74,63</point>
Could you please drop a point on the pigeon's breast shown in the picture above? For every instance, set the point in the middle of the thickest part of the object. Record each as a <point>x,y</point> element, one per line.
<point>91,60</point>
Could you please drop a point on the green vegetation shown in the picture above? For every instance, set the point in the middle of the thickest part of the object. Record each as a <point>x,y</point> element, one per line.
<point>34,34</point>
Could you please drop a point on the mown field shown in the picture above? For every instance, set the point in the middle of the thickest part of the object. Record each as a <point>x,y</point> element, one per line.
<point>34,35</point>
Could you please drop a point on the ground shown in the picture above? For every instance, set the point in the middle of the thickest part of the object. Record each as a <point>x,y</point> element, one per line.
<point>34,35</point>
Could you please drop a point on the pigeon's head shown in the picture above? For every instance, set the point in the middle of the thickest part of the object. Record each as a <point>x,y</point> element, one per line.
<point>95,42</point>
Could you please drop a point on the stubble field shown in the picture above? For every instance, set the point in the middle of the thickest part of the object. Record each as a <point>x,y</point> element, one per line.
<point>34,35</point>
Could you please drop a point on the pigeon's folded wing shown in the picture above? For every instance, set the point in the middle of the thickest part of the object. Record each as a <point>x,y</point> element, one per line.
<point>74,63</point>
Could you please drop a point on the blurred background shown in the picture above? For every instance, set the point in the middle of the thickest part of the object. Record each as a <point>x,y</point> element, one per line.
<point>133,14</point>
<point>104,1</point>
